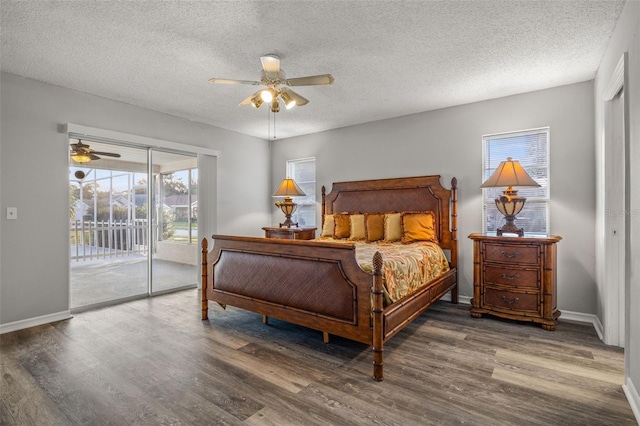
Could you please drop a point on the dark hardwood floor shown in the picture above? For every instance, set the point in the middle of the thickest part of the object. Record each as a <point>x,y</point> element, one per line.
<point>153,361</point>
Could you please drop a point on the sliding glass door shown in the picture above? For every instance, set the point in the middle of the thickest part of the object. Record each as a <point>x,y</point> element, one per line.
<point>175,255</point>
<point>133,219</point>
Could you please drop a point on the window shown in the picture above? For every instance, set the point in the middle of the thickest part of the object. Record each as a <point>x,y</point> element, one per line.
<point>303,171</point>
<point>531,149</point>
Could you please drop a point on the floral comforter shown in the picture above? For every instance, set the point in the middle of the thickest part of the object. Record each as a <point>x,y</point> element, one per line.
<point>406,267</point>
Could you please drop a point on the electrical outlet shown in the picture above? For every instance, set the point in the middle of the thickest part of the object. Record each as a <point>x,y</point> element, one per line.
<point>12,213</point>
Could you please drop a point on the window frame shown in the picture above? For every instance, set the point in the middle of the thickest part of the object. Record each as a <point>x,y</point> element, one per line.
<point>309,199</point>
<point>544,200</point>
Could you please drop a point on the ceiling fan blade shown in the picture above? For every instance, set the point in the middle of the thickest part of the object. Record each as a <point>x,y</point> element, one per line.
<point>312,80</point>
<point>108,154</point>
<point>231,81</point>
<point>270,63</point>
<point>92,156</point>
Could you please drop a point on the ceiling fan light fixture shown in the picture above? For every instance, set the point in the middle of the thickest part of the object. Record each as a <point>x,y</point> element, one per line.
<point>275,105</point>
<point>268,95</point>
<point>80,157</point>
<point>257,100</point>
<point>288,100</point>
<point>300,100</point>
<point>273,78</point>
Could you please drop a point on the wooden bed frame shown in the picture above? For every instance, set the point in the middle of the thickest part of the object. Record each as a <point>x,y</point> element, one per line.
<point>319,284</point>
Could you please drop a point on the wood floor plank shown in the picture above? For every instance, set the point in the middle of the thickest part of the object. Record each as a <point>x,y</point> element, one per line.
<point>22,400</point>
<point>353,410</point>
<point>280,375</point>
<point>269,416</point>
<point>592,372</point>
<point>596,401</point>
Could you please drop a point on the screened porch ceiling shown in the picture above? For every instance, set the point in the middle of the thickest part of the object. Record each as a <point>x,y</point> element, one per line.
<point>134,159</point>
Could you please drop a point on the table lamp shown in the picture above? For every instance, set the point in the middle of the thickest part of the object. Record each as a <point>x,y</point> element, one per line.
<point>288,188</point>
<point>509,173</point>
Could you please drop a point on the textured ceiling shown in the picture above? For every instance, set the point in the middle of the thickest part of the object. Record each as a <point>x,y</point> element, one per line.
<point>389,58</point>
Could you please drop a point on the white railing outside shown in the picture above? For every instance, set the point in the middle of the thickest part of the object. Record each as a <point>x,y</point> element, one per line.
<point>102,240</point>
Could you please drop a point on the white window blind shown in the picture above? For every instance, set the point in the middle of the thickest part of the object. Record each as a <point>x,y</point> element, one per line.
<point>303,171</point>
<point>531,149</point>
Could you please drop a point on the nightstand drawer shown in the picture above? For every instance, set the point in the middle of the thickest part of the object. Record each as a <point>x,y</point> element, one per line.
<point>513,277</point>
<point>521,302</point>
<point>511,253</point>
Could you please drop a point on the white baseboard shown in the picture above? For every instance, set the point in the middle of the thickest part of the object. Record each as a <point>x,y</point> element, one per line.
<point>32,322</point>
<point>632,396</point>
<point>599,328</point>
<point>581,317</point>
<point>465,300</point>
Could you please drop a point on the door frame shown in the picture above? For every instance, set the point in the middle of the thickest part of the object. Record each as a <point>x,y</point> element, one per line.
<point>615,310</point>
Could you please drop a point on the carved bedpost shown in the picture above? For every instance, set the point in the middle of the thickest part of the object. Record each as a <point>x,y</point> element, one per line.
<point>378,332</point>
<point>454,234</point>
<point>205,302</point>
<point>324,193</point>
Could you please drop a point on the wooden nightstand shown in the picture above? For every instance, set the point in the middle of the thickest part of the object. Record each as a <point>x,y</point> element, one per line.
<point>289,233</point>
<point>515,278</point>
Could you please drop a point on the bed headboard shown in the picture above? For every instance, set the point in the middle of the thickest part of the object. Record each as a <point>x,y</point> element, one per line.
<point>420,193</point>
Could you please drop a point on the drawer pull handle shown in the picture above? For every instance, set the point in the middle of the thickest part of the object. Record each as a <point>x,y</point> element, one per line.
<point>510,256</point>
<point>514,277</point>
<point>515,300</point>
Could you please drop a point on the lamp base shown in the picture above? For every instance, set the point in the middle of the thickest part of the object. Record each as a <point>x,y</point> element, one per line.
<point>288,207</point>
<point>510,228</point>
<point>288,223</point>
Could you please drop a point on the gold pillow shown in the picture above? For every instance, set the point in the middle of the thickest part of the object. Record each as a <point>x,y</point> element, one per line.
<point>357,227</point>
<point>342,225</point>
<point>328,226</point>
<point>418,226</point>
<point>392,227</point>
<point>374,226</point>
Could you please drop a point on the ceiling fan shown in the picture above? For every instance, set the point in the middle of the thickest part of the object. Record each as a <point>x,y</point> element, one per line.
<point>82,153</point>
<point>277,84</point>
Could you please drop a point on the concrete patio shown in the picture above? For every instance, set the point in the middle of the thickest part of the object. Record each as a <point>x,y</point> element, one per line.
<point>102,280</point>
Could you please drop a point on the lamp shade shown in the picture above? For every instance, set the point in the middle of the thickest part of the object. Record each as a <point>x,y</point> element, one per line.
<point>509,173</point>
<point>289,188</point>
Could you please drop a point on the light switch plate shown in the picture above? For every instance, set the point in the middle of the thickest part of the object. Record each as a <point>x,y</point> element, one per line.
<point>12,213</point>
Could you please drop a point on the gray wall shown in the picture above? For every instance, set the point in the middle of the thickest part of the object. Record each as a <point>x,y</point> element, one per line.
<point>449,142</point>
<point>34,177</point>
<point>626,38</point>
